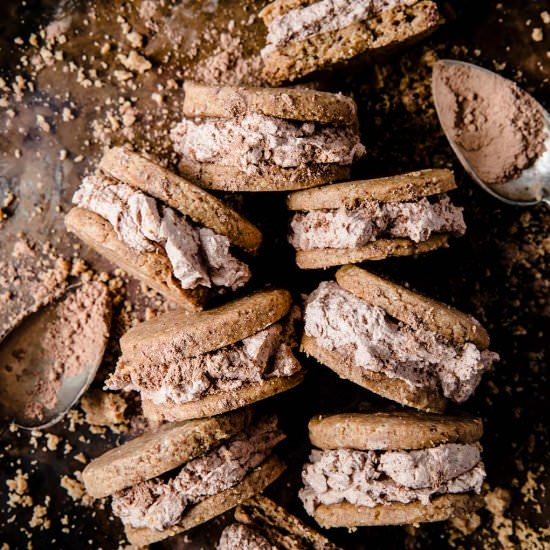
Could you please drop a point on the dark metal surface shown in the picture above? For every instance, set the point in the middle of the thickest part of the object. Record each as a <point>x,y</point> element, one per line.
<point>497,271</point>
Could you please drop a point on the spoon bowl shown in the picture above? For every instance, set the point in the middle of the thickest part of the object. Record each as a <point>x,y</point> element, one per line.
<point>33,393</point>
<point>532,186</point>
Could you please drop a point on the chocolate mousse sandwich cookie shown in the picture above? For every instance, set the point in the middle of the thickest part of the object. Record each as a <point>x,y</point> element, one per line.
<point>362,220</point>
<point>308,35</point>
<point>392,469</point>
<point>185,473</point>
<point>263,525</point>
<point>395,342</point>
<point>201,364</point>
<point>266,139</point>
<point>167,232</point>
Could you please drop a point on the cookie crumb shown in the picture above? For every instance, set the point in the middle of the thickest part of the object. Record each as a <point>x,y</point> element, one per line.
<point>103,408</point>
<point>135,62</point>
<point>537,35</point>
<point>75,489</point>
<point>39,518</point>
<point>52,442</point>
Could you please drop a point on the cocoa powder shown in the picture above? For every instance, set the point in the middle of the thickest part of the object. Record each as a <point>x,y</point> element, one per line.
<point>498,126</point>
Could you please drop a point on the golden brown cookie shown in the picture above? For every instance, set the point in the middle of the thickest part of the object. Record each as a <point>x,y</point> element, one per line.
<point>268,178</point>
<point>203,208</point>
<point>322,258</point>
<point>221,402</point>
<point>440,508</point>
<point>377,382</point>
<point>280,528</point>
<point>409,306</point>
<point>353,194</point>
<point>289,103</point>
<point>195,334</point>
<point>254,483</point>
<point>388,31</point>
<point>157,452</point>
<point>392,431</point>
<point>152,268</point>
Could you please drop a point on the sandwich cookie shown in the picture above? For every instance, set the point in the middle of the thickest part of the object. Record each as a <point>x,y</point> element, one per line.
<point>263,525</point>
<point>185,473</point>
<point>395,342</point>
<point>355,221</point>
<point>308,35</point>
<point>262,139</point>
<point>195,365</point>
<point>392,469</point>
<point>163,230</point>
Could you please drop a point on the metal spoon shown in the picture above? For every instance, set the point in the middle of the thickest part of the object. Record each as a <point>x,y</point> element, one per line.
<point>533,184</point>
<point>26,361</point>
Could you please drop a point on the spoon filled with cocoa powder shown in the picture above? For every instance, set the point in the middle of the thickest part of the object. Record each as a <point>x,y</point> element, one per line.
<point>499,132</point>
<point>50,359</point>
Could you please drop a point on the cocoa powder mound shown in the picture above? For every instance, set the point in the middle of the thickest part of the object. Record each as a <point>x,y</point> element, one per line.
<point>498,126</point>
<point>71,342</point>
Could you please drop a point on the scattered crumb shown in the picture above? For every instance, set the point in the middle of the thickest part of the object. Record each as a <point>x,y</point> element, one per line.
<point>80,457</point>
<point>103,408</point>
<point>466,524</point>
<point>39,518</point>
<point>52,441</point>
<point>135,62</point>
<point>537,35</point>
<point>75,489</point>
<point>18,487</point>
<point>43,123</point>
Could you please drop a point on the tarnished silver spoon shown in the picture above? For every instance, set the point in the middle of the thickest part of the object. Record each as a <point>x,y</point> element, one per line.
<point>51,358</point>
<point>532,185</point>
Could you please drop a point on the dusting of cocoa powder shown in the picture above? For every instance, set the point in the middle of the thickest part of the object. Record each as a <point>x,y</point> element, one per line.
<point>499,127</point>
<point>72,340</point>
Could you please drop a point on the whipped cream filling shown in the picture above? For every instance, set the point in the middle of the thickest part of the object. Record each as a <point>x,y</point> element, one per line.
<point>372,478</point>
<point>256,140</point>
<point>355,227</point>
<point>367,337</point>
<point>199,256</point>
<point>159,503</point>
<point>241,536</point>
<point>324,16</point>
<point>264,355</point>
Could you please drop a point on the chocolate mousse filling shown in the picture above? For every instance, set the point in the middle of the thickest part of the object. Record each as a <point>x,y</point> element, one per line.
<point>354,227</point>
<point>160,503</point>
<point>199,256</point>
<point>264,355</point>
<point>373,478</point>
<point>322,17</point>
<point>257,140</point>
<point>368,338</point>
<point>241,536</point>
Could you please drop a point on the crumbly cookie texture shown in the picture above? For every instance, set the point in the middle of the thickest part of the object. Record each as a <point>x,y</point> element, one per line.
<point>341,321</point>
<point>372,478</point>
